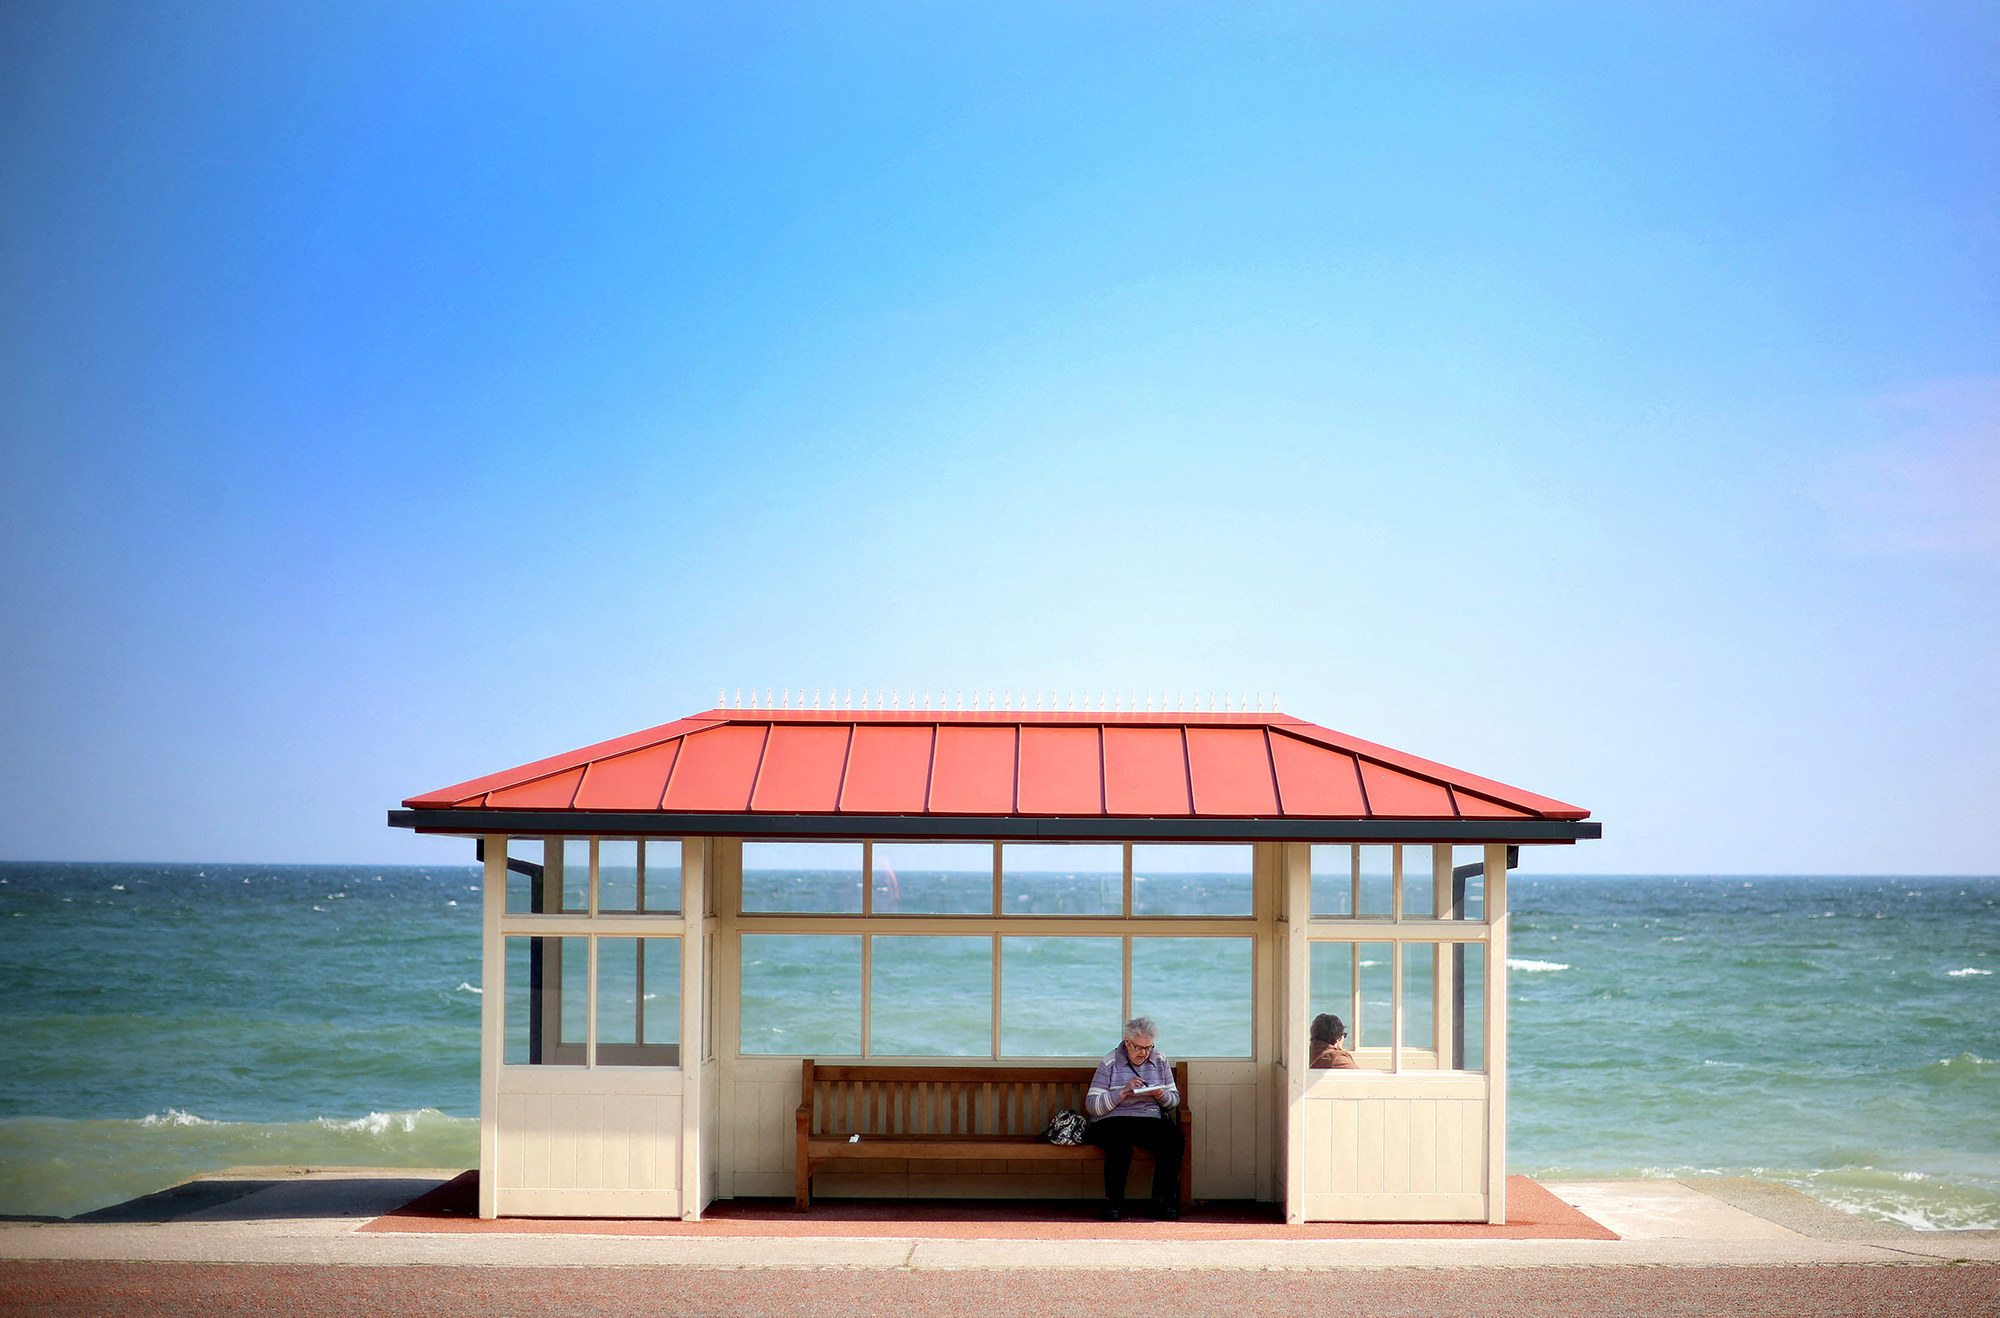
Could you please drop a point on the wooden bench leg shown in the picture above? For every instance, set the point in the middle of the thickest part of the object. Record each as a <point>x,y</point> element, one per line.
<point>803,1188</point>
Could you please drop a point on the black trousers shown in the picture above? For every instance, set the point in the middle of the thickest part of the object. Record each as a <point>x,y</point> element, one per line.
<point>1118,1136</point>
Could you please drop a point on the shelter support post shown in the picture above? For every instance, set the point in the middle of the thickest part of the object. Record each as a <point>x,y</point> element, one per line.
<point>492,998</point>
<point>1496,1035</point>
<point>694,906</point>
<point>1297,1017</point>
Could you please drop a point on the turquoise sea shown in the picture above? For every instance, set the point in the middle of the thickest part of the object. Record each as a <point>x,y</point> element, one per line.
<point>1837,1034</point>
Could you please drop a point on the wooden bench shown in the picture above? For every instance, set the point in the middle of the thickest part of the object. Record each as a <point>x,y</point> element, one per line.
<point>948,1113</point>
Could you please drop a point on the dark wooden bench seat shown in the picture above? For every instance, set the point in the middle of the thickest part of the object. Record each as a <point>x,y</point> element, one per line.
<point>950,1113</point>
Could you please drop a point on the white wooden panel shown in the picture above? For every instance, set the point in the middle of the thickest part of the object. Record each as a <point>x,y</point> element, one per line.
<point>1364,1084</point>
<point>1396,1146</point>
<point>1395,1207</point>
<point>542,1202</point>
<point>1368,1147</point>
<point>614,1143</point>
<point>1393,1151</point>
<point>1449,1159</point>
<point>535,1136</point>
<point>1342,1150</point>
<point>592,1122</point>
<point>511,1147</point>
<point>1423,1121</point>
<point>1322,1141</point>
<point>1472,1147</point>
<point>641,1080</point>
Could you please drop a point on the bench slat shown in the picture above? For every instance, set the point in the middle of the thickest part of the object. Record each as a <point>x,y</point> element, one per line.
<point>989,1149</point>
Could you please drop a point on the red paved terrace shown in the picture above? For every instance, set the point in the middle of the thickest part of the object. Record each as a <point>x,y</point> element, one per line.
<point>1532,1214</point>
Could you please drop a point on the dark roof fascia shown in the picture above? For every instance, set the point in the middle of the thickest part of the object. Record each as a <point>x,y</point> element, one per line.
<point>1088,828</point>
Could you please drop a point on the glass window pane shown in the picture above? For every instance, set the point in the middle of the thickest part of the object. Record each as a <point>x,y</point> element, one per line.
<point>571,970</point>
<point>660,991</point>
<point>801,995</point>
<point>638,1001</point>
<point>542,1018</point>
<point>818,877</point>
<point>522,890</point>
<point>1198,990</point>
<point>1378,880</point>
<point>931,996</point>
<point>661,892</point>
<point>1373,1012</point>
<point>617,875</point>
<point>1062,879</point>
<point>1190,880</point>
<point>1468,882</point>
<point>932,878</point>
<point>575,876</point>
<point>1330,981</point>
<point>1419,1000</point>
<point>1468,991</point>
<point>617,991</point>
<point>1419,882</point>
<point>1061,997</point>
<point>516,1013</point>
<point>1332,880</point>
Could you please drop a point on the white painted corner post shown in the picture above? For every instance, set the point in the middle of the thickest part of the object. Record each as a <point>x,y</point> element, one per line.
<point>1496,1034</point>
<point>492,1000</point>
<point>694,909</point>
<point>1297,1016</point>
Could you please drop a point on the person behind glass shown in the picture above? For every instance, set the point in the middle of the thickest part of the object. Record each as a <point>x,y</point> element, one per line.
<point>1130,1105</point>
<point>1328,1033</point>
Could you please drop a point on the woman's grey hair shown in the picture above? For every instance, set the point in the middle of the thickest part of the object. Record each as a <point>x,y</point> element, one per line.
<point>1141,1027</point>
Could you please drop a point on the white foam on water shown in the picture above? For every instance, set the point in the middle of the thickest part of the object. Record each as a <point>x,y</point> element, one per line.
<point>1969,970</point>
<point>173,1116</point>
<point>381,1123</point>
<point>464,987</point>
<point>1534,967</point>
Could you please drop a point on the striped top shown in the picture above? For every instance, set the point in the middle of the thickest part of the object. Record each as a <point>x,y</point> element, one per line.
<point>1115,1070</point>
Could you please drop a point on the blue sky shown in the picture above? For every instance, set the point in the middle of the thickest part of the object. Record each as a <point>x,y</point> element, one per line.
<point>1604,399</point>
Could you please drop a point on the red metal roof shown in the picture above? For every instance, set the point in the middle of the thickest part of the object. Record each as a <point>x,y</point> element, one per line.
<point>1000,763</point>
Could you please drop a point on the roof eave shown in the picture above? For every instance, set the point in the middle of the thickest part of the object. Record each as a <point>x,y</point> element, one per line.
<point>1086,828</point>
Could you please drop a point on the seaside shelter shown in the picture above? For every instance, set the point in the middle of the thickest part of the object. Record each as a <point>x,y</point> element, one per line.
<point>680,924</point>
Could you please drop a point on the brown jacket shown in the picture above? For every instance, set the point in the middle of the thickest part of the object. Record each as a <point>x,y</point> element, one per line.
<point>1333,1057</point>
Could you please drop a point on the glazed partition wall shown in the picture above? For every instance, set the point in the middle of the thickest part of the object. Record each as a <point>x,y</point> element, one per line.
<point>986,955</point>
<point>1406,947</point>
<point>598,1078</point>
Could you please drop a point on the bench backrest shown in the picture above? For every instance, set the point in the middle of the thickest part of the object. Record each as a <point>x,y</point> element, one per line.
<point>945,1100</point>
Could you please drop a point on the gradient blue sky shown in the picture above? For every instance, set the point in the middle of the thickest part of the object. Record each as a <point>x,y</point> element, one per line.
<point>1601,398</point>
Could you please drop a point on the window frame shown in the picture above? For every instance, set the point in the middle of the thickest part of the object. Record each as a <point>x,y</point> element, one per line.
<point>591,924</point>
<point>997,924</point>
<point>1401,929</point>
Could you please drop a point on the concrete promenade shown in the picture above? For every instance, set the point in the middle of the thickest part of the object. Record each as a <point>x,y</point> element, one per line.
<point>283,1241</point>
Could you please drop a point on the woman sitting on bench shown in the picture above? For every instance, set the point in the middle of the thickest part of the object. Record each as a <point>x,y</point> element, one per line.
<point>1132,1090</point>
